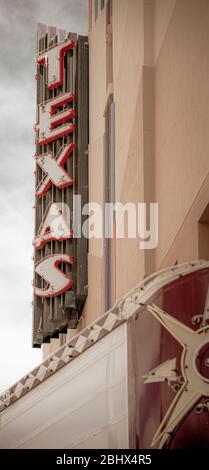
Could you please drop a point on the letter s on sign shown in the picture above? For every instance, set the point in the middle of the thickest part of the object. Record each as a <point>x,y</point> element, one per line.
<point>57,282</point>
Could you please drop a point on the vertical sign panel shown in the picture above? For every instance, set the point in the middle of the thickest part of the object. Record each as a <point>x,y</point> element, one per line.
<point>61,159</point>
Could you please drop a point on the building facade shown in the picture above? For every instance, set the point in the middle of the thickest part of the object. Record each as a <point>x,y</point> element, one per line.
<point>148,114</point>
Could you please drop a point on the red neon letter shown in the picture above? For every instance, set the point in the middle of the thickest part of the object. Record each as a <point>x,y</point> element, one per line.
<point>54,171</point>
<point>54,60</point>
<point>48,120</point>
<point>57,282</point>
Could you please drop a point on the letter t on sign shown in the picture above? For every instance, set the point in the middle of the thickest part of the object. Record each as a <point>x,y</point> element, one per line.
<point>53,59</point>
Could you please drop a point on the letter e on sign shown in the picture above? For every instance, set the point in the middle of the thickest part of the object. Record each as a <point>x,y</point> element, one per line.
<point>51,124</point>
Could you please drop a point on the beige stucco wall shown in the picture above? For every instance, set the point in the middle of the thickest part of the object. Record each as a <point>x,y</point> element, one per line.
<point>181,127</point>
<point>161,95</point>
<point>162,16</point>
<point>97,101</point>
<point>128,97</point>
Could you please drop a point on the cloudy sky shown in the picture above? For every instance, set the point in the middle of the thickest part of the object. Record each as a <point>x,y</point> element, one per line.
<point>18,19</point>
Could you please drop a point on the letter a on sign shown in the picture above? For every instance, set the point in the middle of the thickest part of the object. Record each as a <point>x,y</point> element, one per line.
<point>54,227</point>
<point>57,282</point>
<point>51,124</point>
<point>54,171</point>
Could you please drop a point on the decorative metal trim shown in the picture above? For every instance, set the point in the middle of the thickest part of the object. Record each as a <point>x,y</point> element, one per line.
<point>126,309</point>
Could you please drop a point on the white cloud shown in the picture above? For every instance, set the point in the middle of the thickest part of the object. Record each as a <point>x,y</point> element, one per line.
<point>18,358</point>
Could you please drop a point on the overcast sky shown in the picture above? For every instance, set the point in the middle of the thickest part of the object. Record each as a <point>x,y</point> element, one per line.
<point>18,19</point>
